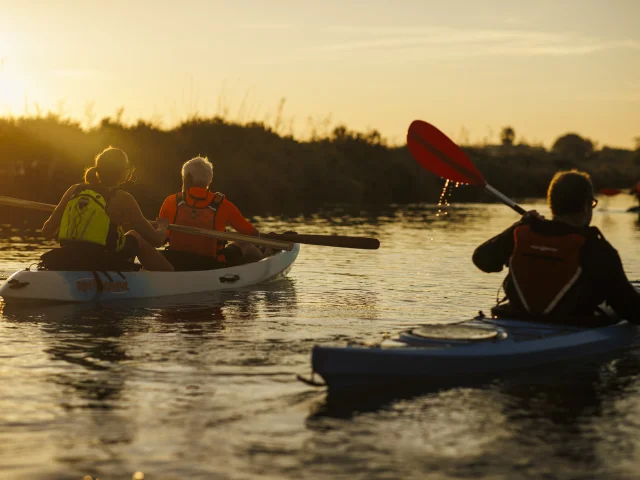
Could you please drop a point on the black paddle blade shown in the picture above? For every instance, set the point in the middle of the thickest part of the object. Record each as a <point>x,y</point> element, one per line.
<point>341,241</point>
<point>437,153</point>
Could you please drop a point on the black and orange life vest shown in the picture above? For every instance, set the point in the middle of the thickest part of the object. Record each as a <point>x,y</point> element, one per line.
<point>200,217</point>
<point>543,268</point>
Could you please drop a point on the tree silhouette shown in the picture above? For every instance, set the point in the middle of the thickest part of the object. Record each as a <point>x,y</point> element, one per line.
<point>572,146</point>
<point>507,136</point>
<point>264,172</point>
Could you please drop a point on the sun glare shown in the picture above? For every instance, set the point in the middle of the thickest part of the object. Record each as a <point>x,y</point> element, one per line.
<point>12,89</point>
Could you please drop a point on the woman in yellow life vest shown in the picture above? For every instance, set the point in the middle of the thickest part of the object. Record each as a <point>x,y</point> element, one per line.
<point>90,216</point>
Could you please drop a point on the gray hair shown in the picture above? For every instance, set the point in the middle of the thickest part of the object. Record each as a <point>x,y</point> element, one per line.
<point>200,170</point>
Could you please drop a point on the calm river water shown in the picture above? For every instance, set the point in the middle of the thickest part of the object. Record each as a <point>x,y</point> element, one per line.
<point>206,387</point>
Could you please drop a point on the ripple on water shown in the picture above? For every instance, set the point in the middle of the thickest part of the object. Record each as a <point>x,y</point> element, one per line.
<point>204,387</point>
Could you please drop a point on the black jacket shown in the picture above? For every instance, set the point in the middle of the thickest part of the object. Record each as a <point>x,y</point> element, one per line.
<point>603,278</point>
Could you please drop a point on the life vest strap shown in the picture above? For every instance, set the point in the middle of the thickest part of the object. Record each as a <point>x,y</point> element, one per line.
<point>92,197</point>
<point>543,268</point>
<point>204,216</point>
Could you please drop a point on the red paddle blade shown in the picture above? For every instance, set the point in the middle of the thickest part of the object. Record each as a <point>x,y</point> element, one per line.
<point>610,192</point>
<point>437,153</point>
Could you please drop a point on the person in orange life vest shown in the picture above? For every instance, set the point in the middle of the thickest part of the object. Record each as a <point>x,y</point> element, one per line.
<point>198,207</point>
<point>89,219</point>
<point>561,269</point>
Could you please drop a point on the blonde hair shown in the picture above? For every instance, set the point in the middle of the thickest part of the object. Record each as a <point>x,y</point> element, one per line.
<point>108,167</point>
<point>199,170</point>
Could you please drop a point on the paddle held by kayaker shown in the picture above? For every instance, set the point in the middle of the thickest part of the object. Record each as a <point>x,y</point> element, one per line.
<point>561,269</point>
<point>89,220</point>
<point>196,206</point>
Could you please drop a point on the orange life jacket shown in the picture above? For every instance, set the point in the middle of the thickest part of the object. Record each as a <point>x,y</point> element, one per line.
<point>201,217</point>
<point>544,267</point>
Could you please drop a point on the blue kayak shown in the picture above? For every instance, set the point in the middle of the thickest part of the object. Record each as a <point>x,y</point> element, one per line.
<point>469,352</point>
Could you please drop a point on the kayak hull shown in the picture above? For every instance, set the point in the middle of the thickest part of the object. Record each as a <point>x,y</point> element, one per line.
<point>519,347</point>
<point>58,286</point>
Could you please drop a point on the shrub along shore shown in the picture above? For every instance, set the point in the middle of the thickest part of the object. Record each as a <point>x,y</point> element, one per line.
<point>267,173</point>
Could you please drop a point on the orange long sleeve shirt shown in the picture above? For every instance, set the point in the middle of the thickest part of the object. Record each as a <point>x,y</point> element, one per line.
<point>228,213</point>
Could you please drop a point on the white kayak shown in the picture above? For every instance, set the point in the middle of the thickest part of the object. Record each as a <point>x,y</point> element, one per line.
<point>62,286</point>
<point>466,353</point>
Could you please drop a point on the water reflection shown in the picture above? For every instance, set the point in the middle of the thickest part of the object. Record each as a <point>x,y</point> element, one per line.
<point>179,313</point>
<point>567,426</point>
<point>102,360</point>
<point>204,386</point>
<point>335,220</point>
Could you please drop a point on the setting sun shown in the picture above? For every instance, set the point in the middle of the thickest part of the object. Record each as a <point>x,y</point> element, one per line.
<point>12,82</point>
<point>12,90</point>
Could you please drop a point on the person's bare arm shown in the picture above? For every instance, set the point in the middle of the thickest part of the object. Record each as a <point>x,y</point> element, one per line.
<point>52,225</point>
<point>125,210</point>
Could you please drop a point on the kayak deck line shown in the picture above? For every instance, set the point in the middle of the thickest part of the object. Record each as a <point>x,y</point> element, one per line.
<point>85,286</point>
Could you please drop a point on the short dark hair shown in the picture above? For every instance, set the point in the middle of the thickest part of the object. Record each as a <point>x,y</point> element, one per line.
<point>569,192</point>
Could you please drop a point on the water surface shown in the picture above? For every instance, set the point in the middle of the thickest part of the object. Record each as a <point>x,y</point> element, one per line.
<point>205,386</point>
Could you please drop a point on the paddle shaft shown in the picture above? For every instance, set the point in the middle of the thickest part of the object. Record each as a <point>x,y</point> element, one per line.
<point>274,240</point>
<point>329,240</point>
<point>266,242</point>
<point>16,202</point>
<point>504,199</point>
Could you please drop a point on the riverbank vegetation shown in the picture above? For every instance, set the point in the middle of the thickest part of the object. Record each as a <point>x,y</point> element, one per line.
<point>265,172</point>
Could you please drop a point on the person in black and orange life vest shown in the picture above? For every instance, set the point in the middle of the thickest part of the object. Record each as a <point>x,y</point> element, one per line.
<point>196,206</point>
<point>562,269</point>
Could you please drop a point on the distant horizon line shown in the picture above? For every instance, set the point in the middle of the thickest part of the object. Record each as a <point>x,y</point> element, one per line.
<point>328,127</point>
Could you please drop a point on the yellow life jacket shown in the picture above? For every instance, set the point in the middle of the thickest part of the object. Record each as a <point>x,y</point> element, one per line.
<point>85,219</point>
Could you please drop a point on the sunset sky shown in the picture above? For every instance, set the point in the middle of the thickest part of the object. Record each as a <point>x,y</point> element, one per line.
<point>470,67</point>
